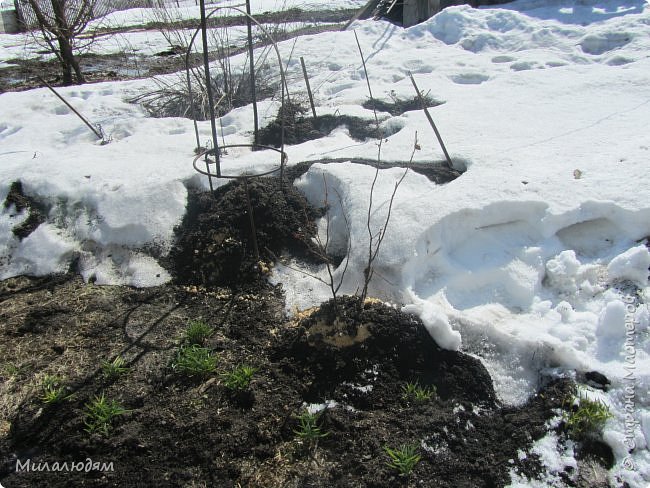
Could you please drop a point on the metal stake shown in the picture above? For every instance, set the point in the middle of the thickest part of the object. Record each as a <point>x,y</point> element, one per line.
<point>252,220</point>
<point>206,65</point>
<point>83,119</point>
<point>252,68</point>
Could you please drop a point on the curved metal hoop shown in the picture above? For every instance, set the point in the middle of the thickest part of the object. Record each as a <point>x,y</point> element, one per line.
<point>209,152</point>
<point>285,94</point>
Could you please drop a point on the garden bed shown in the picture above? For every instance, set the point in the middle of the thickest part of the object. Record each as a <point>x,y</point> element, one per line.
<point>184,430</point>
<point>330,393</point>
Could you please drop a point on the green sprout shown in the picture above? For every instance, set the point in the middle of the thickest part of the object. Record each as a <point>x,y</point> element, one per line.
<point>195,360</point>
<point>420,394</point>
<point>113,369</point>
<point>585,417</point>
<point>53,390</point>
<point>239,379</point>
<point>309,429</point>
<point>100,413</point>
<point>197,332</point>
<point>403,459</point>
<point>11,370</point>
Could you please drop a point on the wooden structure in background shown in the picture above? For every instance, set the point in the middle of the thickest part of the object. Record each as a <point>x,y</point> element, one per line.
<point>410,12</point>
<point>9,22</point>
<point>416,11</point>
<point>405,12</point>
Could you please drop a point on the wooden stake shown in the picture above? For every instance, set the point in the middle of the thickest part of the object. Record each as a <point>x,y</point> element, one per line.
<point>311,97</point>
<point>433,125</point>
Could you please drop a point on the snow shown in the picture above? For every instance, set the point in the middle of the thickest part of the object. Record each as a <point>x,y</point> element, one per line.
<point>150,42</point>
<point>631,265</point>
<point>316,408</point>
<point>555,459</point>
<point>436,322</point>
<point>533,260</point>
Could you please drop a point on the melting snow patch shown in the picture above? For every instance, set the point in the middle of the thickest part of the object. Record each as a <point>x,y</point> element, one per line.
<point>554,456</point>
<point>315,408</point>
<point>631,265</point>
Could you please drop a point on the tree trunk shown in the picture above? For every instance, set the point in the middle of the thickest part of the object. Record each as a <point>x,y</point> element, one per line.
<point>65,63</point>
<point>69,63</point>
<point>63,36</point>
<point>77,71</point>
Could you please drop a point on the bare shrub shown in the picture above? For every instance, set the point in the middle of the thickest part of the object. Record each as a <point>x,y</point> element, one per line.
<point>230,83</point>
<point>172,97</point>
<point>61,23</point>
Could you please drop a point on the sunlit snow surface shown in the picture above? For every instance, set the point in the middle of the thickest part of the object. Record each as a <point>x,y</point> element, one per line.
<point>533,259</point>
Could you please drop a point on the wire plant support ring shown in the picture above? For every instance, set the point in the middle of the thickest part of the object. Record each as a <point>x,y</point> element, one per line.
<point>212,157</point>
<point>216,151</point>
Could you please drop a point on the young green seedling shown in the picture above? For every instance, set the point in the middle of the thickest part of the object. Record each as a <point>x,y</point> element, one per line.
<point>113,369</point>
<point>100,412</point>
<point>402,459</point>
<point>53,390</point>
<point>238,379</point>
<point>308,428</point>
<point>585,417</point>
<point>413,391</point>
<point>195,360</point>
<point>197,332</point>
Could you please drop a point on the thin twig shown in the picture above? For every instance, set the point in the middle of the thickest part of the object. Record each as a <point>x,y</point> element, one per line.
<point>365,70</point>
<point>367,272</point>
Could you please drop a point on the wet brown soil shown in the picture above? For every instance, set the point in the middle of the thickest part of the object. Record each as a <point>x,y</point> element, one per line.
<point>192,430</point>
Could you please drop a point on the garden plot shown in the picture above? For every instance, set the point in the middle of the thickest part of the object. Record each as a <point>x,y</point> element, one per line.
<point>532,264</point>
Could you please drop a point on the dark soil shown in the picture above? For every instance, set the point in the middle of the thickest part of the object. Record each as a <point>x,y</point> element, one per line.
<point>36,213</point>
<point>436,171</point>
<point>399,106</point>
<point>338,347</point>
<point>214,245</point>
<point>213,242</point>
<point>192,431</point>
<point>299,128</point>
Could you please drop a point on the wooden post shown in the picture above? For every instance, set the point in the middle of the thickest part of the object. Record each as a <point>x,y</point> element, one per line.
<point>416,11</point>
<point>311,97</point>
<point>431,122</point>
<point>409,13</point>
<point>9,21</point>
<point>423,10</point>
